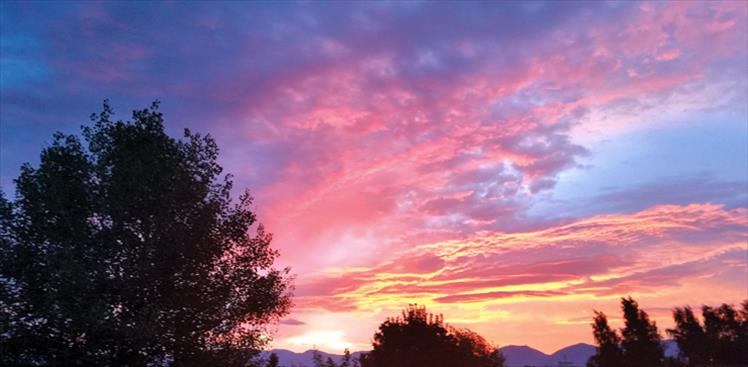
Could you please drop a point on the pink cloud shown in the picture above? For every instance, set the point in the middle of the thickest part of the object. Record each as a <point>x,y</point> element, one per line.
<point>656,250</point>
<point>475,297</point>
<point>373,145</point>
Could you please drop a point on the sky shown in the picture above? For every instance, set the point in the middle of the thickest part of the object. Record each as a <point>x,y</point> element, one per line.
<point>511,165</point>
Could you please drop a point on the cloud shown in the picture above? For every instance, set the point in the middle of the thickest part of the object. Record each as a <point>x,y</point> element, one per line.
<point>702,187</point>
<point>655,250</point>
<point>473,297</point>
<point>319,103</point>
<point>292,322</point>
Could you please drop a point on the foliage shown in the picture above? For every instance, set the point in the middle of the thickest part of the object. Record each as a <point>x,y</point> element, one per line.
<point>419,339</point>
<point>609,353</point>
<point>347,360</point>
<point>690,336</point>
<point>639,343</point>
<point>130,251</point>
<point>722,340</point>
<point>272,360</point>
<point>317,359</point>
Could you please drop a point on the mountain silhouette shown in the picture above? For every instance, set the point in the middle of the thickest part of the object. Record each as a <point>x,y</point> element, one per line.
<point>573,355</point>
<point>522,355</point>
<point>577,354</point>
<point>516,355</point>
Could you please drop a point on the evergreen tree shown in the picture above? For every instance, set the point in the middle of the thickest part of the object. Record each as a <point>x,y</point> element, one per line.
<point>346,362</point>
<point>129,251</point>
<point>609,353</point>
<point>317,359</point>
<point>273,360</point>
<point>743,334</point>
<point>690,337</point>
<point>639,343</point>
<point>725,332</point>
<point>640,340</point>
<point>722,340</point>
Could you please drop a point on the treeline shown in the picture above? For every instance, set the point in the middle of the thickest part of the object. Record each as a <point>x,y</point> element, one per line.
<point>721,339</point>
<point>420,339</point>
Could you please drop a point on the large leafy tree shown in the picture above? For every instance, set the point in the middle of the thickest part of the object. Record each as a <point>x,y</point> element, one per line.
<point>421,339</point>
<point>127,249</point>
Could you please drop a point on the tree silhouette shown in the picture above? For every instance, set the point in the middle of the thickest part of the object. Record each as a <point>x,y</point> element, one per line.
<point>419,339</point>
<point>722,340</point>
<point>273,360</point>
<point>639,343</point>
<point>346,361</point>
<point>690,337</point>
<point>609,353</point>
<point>474,350</point>
<point>129,251</point>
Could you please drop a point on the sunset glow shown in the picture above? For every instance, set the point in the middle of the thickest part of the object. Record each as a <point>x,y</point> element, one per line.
<point>511,165</point>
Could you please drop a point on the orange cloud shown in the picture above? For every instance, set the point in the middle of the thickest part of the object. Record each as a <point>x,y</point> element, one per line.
<point>656,250</point>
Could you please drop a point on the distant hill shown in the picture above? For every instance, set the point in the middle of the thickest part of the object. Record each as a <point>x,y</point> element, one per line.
<point>522,355</point>
<point>516,356</point>
<point>671,348</point>
<point>573,355</point>
<point>577,354</point>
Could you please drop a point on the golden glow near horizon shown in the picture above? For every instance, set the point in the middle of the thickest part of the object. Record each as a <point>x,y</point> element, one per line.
<point>538,277</point>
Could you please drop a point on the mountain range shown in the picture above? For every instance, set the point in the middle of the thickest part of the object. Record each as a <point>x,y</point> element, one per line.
<point>522,355</point>
<point>516,356</point>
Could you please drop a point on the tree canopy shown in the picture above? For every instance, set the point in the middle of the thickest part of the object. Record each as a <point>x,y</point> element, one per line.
<point>420,339</point>
<point>609,353</point>
<point>126,248</point>
<point>721,339</point>
<point>638,345</point>
<point>272,361</point>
